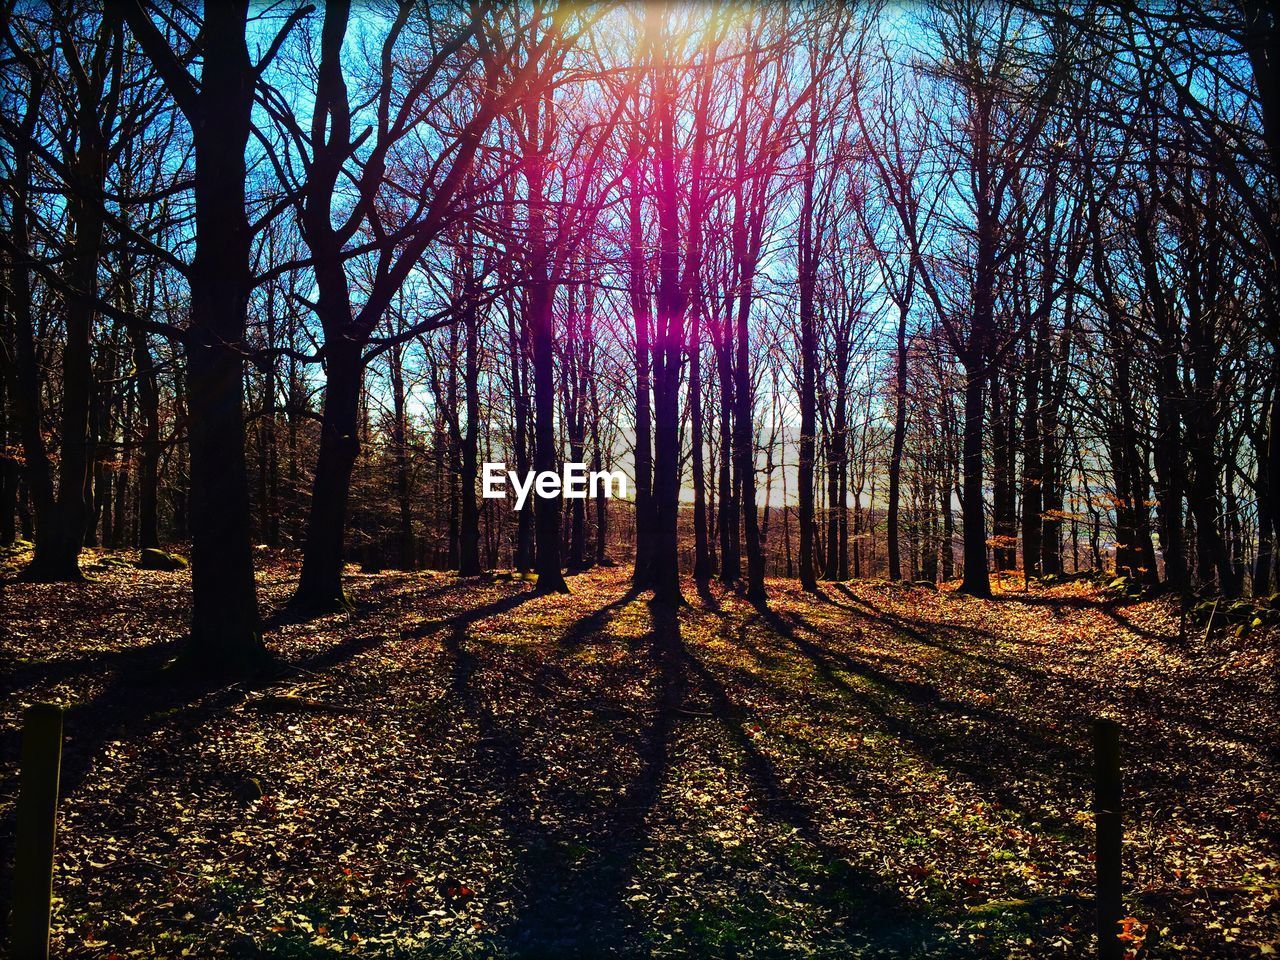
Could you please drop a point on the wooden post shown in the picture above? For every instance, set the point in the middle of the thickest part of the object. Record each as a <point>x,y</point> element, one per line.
<point>1107,809</point>
<point>37,818</point>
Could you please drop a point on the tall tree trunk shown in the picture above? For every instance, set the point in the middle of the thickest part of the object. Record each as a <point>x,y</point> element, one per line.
<point>1170,463</point>
<point>1052,485</point>
<point>745,243</point>
<point>597,464</point>
<point>61,525</point>
<point>1004,510</point>
<point>702,552</point>
<point>119,534</point>
<point>744,447</point>
<point>224,626</point>
<point>546,516</point>
<point>669,347</point>
<point>1268,522</point>
<point>976,581</point>
<point>400,452</point>
<point>695,295</point>
<point>975,359</point>
<point>806,281</point>
<point>729,521</point>
<point>96,486</point>
<point>517,339</point>
<point>8,462</point>
<point>269,486</point>
<point>320,585</point>
<point>639,300</point>
<point>24,371</point>
<point>573,389</point>
<point>841,506</point>
<point>182,471</point>
<point>469,536</point>
<point>950,486</point>
<point>899,439</point>
<point>1032,460</point>
<point>149,459</point>
<point>453,456</point>
<point>833,501</point>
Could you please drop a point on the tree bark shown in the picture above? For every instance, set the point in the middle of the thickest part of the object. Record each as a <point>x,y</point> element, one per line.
<point>225,636</point>
<point>806,281</point>
<point>149,455</point>
<point>469,535</point>
<point>669,347</point>
<point>541,324</point>
<point>728,512</point>
<point>899,439</point>
<point>320,585</point>
<point>977,582</point>
<point>639,300</point>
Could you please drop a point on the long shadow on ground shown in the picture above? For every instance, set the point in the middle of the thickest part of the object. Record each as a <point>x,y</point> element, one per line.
<point>579,856</point>
<point>994,750</point>
<point>1052,753</point>
<point>577,907</point>
<point>871,913</point>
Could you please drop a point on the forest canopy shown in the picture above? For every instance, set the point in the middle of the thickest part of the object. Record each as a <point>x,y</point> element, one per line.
<point>923,291</point>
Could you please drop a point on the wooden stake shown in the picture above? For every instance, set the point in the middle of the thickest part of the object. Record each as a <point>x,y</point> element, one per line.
<point>37,818</point>
<point>1108,809</point>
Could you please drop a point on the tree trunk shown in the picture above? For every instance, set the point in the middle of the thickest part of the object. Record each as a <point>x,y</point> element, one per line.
<point>8,463</point>
<point>469,536</point>
<point>899,439</point>
<point>61,525</point>
<point>976,581</point>
<point>1004,509</point>
<point>669,347</point>
<point>597,464</point>
<point>224,624</point>
<point>1032,461</point>
<point>807,270</point>
<point>573,387</point>
<point>702,559</point>
<point>320,585</point>
<point>1266,486</point>
<point>833,502</point>
<point>269,487</point>
<point>640,311</point>
<point>400,452</point>
<point>744,448</point>
<point>541,324</point>
<point>729,522</point>
<point>149,459</point>
<point>517,338</point>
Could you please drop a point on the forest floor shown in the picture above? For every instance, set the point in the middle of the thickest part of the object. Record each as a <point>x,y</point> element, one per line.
<point>464,769</point>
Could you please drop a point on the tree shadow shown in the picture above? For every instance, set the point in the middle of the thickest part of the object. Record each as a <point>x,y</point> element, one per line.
<point>1154,702</point>
<point>366,597</point>
<point>915,629</point>
<point>586,903</point>
<point>464,619</point>
<point>572,887</point>
<point>131,705</point>
<point>869,910</point>
<point>997,758</point>
<point>58,670</point>
<point>584,630</point>
<point>1038,749</point>
<point>1110,608</point>
<point>578,906</point>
